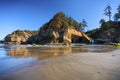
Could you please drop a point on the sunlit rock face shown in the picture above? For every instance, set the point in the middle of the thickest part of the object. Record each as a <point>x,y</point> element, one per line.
<point>65,36</point>
<point>60,29</point>
<point>18,36</point>
<point>72,35</point>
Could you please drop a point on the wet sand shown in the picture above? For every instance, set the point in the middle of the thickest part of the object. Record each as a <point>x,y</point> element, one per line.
<point>88,66</point>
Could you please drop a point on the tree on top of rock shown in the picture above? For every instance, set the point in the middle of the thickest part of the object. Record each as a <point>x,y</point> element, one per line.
<point>117,15</point>
<point>108,11</point>
<point>59,15</point>
<point>82,25</point>
<point>61,21</point>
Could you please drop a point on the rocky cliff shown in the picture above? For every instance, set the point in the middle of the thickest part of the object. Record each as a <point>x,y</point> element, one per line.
<point>60,29</point>
<point>19,36</point>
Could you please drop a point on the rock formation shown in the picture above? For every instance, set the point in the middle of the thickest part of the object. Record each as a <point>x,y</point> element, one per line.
<point>69,36</point>
<point>60,29</point>
<point>18,36</point>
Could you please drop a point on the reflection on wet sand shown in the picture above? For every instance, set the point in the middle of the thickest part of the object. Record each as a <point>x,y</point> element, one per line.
<point>39,52</point>
<point>45,52</point>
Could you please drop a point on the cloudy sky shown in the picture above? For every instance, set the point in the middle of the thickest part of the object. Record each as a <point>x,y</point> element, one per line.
<point>31,14</point>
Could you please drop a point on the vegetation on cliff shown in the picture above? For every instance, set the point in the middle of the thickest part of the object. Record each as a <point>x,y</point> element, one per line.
<point>109,30</point>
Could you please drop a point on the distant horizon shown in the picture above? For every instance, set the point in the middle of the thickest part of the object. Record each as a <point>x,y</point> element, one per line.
<point>31,15</point>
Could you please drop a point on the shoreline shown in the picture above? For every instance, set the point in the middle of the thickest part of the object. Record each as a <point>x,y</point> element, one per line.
<point>56,45</point>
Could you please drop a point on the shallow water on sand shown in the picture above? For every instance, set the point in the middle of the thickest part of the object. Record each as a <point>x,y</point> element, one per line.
<point>12,57</point>
<point>46,52</point>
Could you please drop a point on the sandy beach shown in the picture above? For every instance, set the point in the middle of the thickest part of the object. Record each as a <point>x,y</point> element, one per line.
<point>83,66</point>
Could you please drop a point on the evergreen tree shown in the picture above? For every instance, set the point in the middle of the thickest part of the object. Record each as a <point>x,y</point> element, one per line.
<point>108,12</point>
<point>82,25</point>
<point>102,21</point>
<point>104,25</point>
<point>117,15</point>
<point>118,9</point>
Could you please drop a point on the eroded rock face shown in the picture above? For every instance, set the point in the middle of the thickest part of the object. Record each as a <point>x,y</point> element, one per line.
<point>60,29</point>
<point>18,36</point>
<point>72,35</point>
<point>66,37</point>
